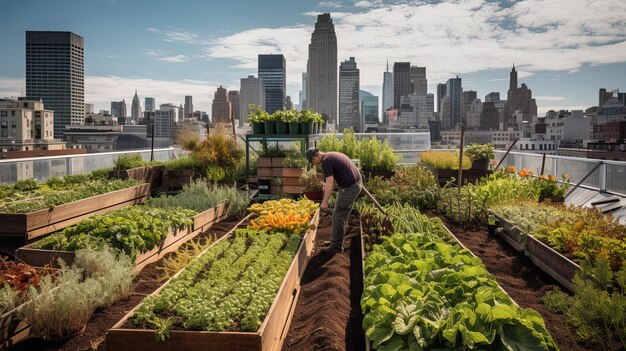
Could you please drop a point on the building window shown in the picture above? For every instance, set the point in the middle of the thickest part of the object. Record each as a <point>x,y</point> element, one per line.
<point>533,145</point>
<point>4,130</point>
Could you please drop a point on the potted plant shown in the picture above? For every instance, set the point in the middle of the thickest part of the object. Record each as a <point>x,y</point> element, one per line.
<point>279,120</point>
<point>257,118</point>
<point>312,185</point>
<point>291,118</point>
<point>307,117</point>
<point>318,122</point>
<point>293,166</point>
<point>270,124</point>
<point>480,154</point>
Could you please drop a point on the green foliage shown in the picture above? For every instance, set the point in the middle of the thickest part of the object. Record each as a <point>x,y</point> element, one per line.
<point>275,150</point>
<point>598,308</point>
<point>295,161</point>
<point>131,230</point>
<point>426,295</point>
<point>24,197</point>
<point>444,159</point>
<point>413,185</point>
<point>128,161</point>
<point>373,154</point>
<point>200,196</point>
<point>257,115</point>
<point>311,181</point>
<point>63,306</point>
<point>234,294</point>
<point>480,151</point>
<point>183,162</point>
<point>8,298</point>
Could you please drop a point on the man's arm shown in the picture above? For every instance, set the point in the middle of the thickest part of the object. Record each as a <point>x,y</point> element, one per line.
<point>328,190</point>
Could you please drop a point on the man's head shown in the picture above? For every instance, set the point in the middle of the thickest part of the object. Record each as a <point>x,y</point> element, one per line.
<point>314,156</point>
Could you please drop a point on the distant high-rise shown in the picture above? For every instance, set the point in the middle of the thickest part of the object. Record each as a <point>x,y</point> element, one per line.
<point>88,108</point>
<point>321,90</point>
<point>401,82</point>
<point>454,90</point>
<point>490,116</point>
<point>272,72</point>
<point>349,96</point>
<point>188,110</point>
<point>387,91</point>
<point>419,83</point>
<point>493,96</point>
<point>55,72</point>
<point>135,108</point>
<point>251,91</point>
<point>441,93</point>
<point>220,112</point>
<point>467,98</point>
<point>150,104</point>
<point>118,108</point>
<point>288,103</point>
<point>233,97</point>
<point>303,92</point>
<point>369,109</point>
<point>520,99</point>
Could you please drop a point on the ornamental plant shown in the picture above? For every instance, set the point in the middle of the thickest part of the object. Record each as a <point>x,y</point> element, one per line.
<point>128,161</point>
<point>257,115</point>
<point>218,156</point>
<point>291,116</point>
<point>480,152</point>
<point>549,186</point>
<point>444,159</point>
<point>376,155</point>
<point>311,181</point>
<point>295,161</point>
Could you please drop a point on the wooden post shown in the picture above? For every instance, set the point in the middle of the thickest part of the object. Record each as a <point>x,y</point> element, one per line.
<point>507,152</point>
<point>543,163</point>
<point>461,160</point>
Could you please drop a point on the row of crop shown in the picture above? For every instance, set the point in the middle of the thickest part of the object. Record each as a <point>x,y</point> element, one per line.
<point>583,234</point>
<point>422,293</point>
<point>27,196</point>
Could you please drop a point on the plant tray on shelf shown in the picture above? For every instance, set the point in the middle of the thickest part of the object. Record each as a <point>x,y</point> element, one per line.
<point>201,222</point>
<point>559,267</point>
<point>269,337</point>
<point>29,226</point>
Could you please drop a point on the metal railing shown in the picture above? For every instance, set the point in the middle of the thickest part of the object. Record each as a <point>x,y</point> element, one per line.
<point>42,168</point>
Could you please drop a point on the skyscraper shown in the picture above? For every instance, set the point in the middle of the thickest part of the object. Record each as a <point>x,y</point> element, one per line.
<point>321,91</point>
<point>220,111</point>
<point>520,99</point>
<point>118,108</point>
<point>467,98</point>
<point>188,111</point>
<point>513,79</point>
<point>233,97</point>
<point>251,91</point>
<point>349,96</point>
<point>369,109</point>
<point>387,91</point>
<point>55,72</point>
<point>135,108</point>
<point>441,93</point>
<point>150,104</point>
<point>401,82</point>
<point>303,92</point>
<point>419,83</point>
<point>454,91</point>
<point>272,72</point>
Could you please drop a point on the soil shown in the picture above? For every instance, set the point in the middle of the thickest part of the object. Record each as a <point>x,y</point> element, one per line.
<point>328,314</point>
<point>521,279</point>
<point>147,281</point>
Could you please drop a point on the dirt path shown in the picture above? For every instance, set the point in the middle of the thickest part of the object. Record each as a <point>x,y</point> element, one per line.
<point>147,281</point>
<point>328,314</point>
<point>521,279</point>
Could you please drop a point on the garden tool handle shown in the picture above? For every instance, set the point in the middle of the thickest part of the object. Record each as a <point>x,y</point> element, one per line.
<point>378,206</point>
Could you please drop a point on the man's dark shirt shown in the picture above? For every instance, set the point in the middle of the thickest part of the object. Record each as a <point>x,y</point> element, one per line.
<point>341,168</point>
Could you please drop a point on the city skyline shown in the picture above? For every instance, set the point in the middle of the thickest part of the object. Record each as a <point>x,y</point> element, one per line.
<point>563,61</point>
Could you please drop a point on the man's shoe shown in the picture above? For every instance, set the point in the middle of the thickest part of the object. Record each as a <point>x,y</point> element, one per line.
<point>330,250</point>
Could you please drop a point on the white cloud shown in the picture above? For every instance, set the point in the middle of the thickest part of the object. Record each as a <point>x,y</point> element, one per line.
<point>174,59</point>
<point>449,38</point>
<point>12,87</point>
<point>362,4</point>
<point>549,98</point>
<point>333,4</point>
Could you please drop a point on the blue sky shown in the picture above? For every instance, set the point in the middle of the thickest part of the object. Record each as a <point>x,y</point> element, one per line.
<point>564,50</point>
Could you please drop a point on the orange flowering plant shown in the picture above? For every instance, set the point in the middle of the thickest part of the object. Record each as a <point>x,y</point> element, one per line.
<point>219,154</point>
<point>549,186</point>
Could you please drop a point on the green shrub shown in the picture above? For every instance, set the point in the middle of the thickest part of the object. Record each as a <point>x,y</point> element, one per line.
<point>128,161</point>
<point>183,162</point>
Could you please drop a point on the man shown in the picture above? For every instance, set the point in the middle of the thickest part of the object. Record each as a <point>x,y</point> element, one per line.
<point>337,167</point>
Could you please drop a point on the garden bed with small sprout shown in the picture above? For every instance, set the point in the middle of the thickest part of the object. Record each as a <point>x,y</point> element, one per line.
<point>42,209</point>
<point>253,275</point>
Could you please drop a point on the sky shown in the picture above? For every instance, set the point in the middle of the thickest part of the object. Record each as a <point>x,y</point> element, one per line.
<point>564,50</point>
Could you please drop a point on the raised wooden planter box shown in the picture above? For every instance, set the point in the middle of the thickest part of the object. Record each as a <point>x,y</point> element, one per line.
<point>559,267</point>
<point>292,189</point>
<point>35,224</point>
<point>201,222</point>
<point>269,337</point>
<point>264,162</point>
<point>177,178</point>
<point>264,172</point>
<point>512,234</point>
<point>292,172</point>
<point>552,262</point>
<point>13,330</point>
<point>277,162</point>
<point>443,176</point>
<point>147,174</point>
